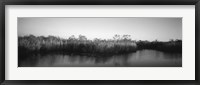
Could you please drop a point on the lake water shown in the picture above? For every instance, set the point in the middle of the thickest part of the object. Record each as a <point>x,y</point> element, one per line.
<point>141,58</point>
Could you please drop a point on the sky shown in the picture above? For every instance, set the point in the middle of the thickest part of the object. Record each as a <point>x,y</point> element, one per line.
<point>140,28</point>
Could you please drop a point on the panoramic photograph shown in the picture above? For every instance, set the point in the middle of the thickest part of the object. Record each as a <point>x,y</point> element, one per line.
<point>99,41</point>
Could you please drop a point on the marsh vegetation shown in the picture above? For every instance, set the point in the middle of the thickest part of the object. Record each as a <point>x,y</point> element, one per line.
<point>103,52</point>
<point>81,44</point>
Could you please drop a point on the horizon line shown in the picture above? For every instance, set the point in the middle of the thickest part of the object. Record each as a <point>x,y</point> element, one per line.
<point>94,38</point>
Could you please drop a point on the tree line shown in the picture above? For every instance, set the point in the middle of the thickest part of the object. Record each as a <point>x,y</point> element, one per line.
<point>119,44</point>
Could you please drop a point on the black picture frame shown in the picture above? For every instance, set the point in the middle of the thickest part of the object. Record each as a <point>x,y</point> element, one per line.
<point>99,2</point>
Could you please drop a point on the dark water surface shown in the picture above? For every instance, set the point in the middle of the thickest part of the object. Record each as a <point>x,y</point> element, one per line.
<point>141,58</point>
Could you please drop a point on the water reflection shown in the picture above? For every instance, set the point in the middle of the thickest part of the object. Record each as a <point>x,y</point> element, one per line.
<point>141,58</point>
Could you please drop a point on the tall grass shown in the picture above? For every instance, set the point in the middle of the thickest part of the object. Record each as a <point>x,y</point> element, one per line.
<point>75,45</point>
<point>119,44</point>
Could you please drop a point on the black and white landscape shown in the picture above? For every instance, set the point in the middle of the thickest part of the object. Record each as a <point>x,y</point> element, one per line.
<point>99,42</point>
